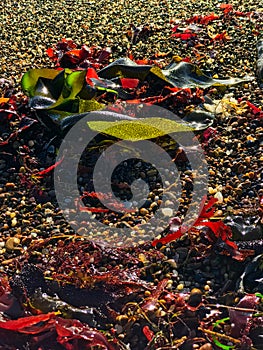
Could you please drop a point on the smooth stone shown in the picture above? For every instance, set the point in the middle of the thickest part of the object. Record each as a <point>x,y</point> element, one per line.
<point>167,212</point>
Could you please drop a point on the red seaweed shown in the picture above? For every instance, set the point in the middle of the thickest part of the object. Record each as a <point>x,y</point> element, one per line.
<point>48,170</point>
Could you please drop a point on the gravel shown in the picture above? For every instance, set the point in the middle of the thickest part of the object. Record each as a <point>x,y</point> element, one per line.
<point>28,28</point>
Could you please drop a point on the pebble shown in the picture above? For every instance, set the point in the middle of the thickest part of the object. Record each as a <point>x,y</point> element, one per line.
<point>219,197</point>
<point>180,286</point>
<point>172,263</point>
<point>14,222</point>
<point>10,185</point>
<point>169,284</point>
<point>167,212</point>
<point>206,346</point>
<point>12,243</point>
<point>33,234</point>
<point>144,211</point>
<point>207,288</point>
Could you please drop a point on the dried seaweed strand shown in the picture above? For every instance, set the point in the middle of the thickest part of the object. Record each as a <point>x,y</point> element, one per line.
<point>219,335</point>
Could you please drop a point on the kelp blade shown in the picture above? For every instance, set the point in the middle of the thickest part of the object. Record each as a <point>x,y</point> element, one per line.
<point>187,75</point>
<point>139,129</point>
<point>125,68</point>
<point>31,77</point>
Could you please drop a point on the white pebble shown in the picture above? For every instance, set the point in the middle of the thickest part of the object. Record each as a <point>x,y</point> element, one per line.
<point>219,197</point>
<point>167,212</point>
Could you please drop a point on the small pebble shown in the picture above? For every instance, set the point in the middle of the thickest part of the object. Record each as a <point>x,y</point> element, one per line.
<point>167,212</point>
<point>144,211</point>
<point>206,346</point>
<point>207,288</point>
<point>12,243</point>
<point>180,286</point>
